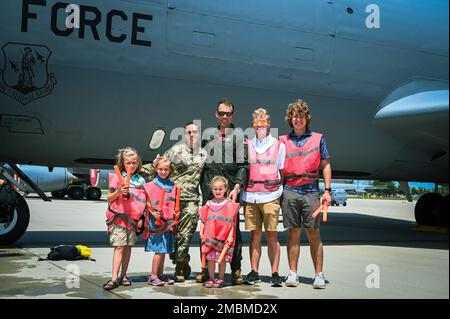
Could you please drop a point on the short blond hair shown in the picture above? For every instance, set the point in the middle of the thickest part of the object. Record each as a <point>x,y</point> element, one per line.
<point>126,152</point>
<point>298,108</point>
<point>218,179</point>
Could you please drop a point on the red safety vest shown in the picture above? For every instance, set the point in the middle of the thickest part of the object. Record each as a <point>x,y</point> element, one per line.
<point>302,163</point>
<point>218,225</point>
<point>125,211</point>
<point>154,196</point>
<point>264,176</point>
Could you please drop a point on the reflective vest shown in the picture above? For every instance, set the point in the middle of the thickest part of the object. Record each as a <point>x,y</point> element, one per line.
<point>125,211</point>
<point>218,225</point>
<point>167,221</point>
<point>302,163</point>
<point>264,176</point>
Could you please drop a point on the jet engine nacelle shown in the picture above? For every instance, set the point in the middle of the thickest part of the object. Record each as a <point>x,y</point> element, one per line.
<point>48,180</point>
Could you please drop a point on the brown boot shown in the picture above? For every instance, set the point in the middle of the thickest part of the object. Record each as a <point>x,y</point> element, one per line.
<point>203,276</point>
<point>179,275</point>
<point>237,278</point>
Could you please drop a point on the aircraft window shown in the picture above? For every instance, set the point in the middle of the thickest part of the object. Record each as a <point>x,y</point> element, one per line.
<point>350,10</point>
<point>157,139</point>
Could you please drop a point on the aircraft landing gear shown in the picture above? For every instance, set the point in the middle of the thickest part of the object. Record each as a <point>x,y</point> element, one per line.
<point>76,192</point>
<point>59,194</point>
<point>432,210</point>
<point>16,224</point>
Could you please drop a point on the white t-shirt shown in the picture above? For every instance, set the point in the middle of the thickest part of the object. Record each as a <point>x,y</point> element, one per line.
<point>260,148</point>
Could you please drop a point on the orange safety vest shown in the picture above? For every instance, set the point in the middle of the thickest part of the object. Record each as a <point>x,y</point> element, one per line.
<point>264,176</point>
<point>125,211</point>
<point>154,195</point>
<point>302,163</point>
<point>218,225</point>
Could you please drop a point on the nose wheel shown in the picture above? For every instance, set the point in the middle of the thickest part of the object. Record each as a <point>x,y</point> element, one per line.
<point>14,224</point>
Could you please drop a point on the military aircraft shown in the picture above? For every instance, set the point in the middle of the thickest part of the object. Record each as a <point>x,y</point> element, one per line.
<point>348,187</point>
<point>79,81</point>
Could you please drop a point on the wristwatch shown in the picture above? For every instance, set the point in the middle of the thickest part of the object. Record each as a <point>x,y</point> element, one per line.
<point>328,189</point>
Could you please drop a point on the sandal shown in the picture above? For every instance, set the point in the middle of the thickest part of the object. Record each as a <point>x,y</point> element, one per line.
<point>208,284</point>
<point>219,283</point>
<point>110,285</point>
<point>125,281</point>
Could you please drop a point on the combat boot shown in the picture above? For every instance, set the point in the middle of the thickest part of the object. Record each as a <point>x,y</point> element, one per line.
<point>179,274</point>
<point>186,270</point>
<point>202,277</point>
<point>237,278</point>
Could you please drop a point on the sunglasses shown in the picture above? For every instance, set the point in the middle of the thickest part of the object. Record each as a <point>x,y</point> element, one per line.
<point>263,123</point>
<point>221,113</point>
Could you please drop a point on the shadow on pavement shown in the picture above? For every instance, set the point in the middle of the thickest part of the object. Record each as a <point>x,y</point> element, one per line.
<point>341,229</point>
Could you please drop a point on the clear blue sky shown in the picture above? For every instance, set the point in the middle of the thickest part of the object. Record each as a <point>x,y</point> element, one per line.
<point>423,185</point>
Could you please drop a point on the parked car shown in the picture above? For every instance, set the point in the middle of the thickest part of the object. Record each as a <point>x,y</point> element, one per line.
<point>338,197</point>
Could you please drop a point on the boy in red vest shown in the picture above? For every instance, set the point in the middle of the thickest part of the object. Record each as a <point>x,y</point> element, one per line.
<point>266,155</point>
<point>306,151</point>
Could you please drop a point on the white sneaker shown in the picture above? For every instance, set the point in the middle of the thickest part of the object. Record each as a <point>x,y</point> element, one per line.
<point>319,281</point>
<point>292,280</point>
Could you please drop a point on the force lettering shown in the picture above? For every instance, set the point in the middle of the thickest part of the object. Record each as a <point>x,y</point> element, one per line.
<point>90,18</point>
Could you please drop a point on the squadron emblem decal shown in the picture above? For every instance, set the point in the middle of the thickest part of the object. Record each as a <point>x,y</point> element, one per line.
<point>25,75</point>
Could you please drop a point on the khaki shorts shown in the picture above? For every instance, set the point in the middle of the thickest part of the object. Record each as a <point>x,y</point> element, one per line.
<point>122,237</point>
<point>257,214</point>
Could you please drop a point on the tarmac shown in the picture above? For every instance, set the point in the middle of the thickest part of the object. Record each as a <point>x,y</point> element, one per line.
<point>372,250</point>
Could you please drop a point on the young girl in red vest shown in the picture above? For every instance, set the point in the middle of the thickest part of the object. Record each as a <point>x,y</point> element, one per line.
<point>217,230</point>
<point>160,220</point>
<point>126,205</point>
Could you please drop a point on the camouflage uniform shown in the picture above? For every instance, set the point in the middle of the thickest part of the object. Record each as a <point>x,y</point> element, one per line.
<point>188,169</point>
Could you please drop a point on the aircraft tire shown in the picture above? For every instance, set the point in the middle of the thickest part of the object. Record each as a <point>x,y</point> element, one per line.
<point>93,193</point>
<point>76,193</point>
<point>426,211</point>
<point>443,211</point>
<point>344,204</point>
<point>18,225</point>
<point>59,194</point>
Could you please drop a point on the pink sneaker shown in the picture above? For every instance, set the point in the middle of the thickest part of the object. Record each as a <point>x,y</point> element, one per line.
<point>167,280</point>
<point>156,282</point>
<point>208,284</point>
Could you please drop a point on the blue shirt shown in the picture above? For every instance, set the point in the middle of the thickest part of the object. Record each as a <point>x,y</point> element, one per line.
<point>136,180</point>
<point>311,188</point>
<point>164,183</point>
